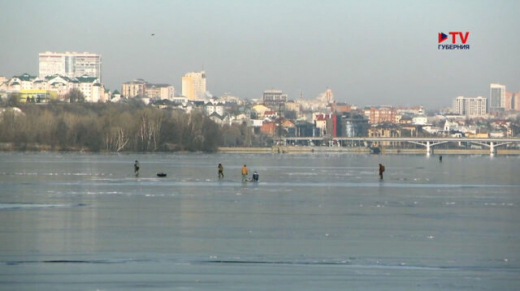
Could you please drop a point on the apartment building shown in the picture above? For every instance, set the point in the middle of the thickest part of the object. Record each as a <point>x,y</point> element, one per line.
<point>274,99</point>
<point>497,97</point>
<point>380,115</point>
<point>70,64</point>
<point>194,85</point>
<point>470,106</point>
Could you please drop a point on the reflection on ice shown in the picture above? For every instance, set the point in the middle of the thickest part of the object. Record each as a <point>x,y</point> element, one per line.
<point>17,205</point>
<point>358,263</point>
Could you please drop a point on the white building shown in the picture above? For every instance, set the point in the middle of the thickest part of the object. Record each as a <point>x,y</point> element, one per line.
<point>497,97</point>
<point>274,99</point>
<point>450,126</point>
<point>159,91</point>
<point>91,87</point>
<point>3,87</point>
<point>132,89</point>
<point>257,122</point>
<point>194,85</point>
<point>226,98</point>
<point>240,118</point>
<point>210,108</point>
<point>420,120</point>
<point>470,106</point>
<point>320,102</point>
<point>219,119</point>
<point>70,64</point>
<point>180,100</point>
<point>22,82</point>
<point>61,84</point>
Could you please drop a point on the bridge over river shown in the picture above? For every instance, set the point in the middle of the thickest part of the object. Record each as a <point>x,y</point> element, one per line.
<point>427,142</point>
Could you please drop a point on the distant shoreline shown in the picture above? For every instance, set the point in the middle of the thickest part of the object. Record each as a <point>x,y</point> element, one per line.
<point>360,150</point>
<point>12,147</point>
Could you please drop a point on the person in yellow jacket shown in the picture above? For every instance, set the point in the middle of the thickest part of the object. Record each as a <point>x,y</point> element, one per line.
<point>244,173</point>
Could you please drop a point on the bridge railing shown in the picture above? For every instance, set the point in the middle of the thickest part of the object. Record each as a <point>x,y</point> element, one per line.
<point>427,142</point>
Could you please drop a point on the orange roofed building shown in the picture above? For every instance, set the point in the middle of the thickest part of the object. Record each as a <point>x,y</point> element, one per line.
<point>268,127</point>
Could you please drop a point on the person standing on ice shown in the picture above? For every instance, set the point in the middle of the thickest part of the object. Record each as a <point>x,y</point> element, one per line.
<point>255,176</point>
<point>136,168</point>
<point>244,173</point>
<point>220,171</point>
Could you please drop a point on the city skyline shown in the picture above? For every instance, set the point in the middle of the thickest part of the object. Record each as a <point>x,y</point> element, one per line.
<point>367,53</point>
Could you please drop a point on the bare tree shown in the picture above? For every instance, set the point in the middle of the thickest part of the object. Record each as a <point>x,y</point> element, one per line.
<point>75,96</point>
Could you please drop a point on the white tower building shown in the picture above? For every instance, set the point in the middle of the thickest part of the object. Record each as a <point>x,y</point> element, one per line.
<point>497,97</point>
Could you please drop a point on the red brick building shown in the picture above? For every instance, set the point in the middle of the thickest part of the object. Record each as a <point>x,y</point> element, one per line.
<point>380,115</point>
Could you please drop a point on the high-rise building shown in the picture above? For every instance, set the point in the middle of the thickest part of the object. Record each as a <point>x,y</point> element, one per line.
<point>512,101</point>
<point>194,85</point>
<point>515,103</point>
<point>459,105</point>
<point>476,106</point>
<point>470,106</point>
<point>497,97</point>
<point>509,101</point>
<point>70,64</point>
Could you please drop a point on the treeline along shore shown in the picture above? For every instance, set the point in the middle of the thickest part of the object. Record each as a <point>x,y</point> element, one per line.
<point>115,127</point>
<point>132,126</point>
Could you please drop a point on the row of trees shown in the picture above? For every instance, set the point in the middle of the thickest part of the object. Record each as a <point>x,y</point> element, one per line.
<point>116,127</point>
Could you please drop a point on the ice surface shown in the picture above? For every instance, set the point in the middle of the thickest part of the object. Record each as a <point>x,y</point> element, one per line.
<point>313,222</point>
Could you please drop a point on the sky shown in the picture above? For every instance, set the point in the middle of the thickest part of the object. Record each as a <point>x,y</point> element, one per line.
<point>366,52</point>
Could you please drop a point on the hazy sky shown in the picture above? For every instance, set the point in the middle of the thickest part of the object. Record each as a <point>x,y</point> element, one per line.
<point>367,52</point>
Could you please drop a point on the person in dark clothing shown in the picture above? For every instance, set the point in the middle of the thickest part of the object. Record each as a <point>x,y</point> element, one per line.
<point>255,176</point>
<point>440,159</point>
<point>381,170</point>
<point>220,171</point>
<point>136,168</point>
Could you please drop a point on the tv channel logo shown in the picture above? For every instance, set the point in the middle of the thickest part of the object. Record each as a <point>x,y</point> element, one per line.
<point>454,44</point>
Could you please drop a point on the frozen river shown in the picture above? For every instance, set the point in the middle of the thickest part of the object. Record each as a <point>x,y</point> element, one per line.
<point>313,222</point>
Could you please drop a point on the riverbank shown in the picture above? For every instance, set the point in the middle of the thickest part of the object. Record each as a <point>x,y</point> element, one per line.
<point>361,150</point>
<point>294,150</point>
<point>35,147</point>
<point>11,147</point>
